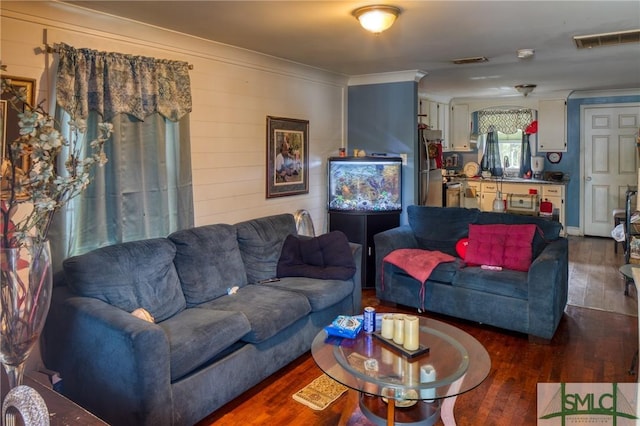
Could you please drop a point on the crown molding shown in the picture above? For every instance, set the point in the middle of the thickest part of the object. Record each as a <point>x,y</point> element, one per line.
<point>387,77</point>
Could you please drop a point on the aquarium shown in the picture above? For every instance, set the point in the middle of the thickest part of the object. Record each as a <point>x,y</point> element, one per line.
<point>365,184</point>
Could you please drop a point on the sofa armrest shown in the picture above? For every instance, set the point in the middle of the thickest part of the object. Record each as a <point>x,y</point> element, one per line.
<point>548,281</point>
<point>112,363</point>
<point>356,250</point>
<point>390,240</point>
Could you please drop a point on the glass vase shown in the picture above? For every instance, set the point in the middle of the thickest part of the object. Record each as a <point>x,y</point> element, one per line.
<point>25,295</point>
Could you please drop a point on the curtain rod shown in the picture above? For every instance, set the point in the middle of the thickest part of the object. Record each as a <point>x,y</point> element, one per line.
<point>54,49</point>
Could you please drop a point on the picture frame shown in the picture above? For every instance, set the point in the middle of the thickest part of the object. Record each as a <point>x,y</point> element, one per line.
<point>10,128</point>
<point>287,157</point>
<point>3,127</point>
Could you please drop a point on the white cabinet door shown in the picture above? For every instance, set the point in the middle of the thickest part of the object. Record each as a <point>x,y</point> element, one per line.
<point>432,116</point>
<point>488,196</point>
<point>460,128</point>
<point>552,125</point>
<point>555,195</point>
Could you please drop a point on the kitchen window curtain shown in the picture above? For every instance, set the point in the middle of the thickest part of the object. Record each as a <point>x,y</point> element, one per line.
<point>509,121</point>
<point>145,189</point>
<point>491,159</point>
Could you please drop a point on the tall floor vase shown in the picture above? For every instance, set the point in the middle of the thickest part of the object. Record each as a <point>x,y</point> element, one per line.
<point>25,296</point>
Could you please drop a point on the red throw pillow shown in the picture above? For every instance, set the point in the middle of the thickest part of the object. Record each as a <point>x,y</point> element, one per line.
<point>461,248</point>
<point>508,246</point>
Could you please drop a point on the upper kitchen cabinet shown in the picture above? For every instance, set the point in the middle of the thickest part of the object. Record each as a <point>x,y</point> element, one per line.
<point>435,115</point>
<point>552,125</point>
<point>460,129</point>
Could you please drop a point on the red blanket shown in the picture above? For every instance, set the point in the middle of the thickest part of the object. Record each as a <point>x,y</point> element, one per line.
<point>417,263</point>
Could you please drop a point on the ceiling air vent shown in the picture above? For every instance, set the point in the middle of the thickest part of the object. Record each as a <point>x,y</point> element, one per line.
<point>607,39</point>
<point>475,60</point>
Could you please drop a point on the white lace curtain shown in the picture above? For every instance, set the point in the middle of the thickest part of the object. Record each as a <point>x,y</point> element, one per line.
<point>505,121</point>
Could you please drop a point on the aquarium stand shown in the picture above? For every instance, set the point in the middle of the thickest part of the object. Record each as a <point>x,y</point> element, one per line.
<point>360,227</point>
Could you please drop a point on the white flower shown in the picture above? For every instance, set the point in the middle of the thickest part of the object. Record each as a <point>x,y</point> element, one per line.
<point>41,184</point>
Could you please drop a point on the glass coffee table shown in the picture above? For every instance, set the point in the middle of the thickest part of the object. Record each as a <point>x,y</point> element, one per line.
<point>399,387</point>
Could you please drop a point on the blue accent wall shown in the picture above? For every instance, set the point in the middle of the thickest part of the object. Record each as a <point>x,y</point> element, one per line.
<point>571,159</point>
<point>382,118</point>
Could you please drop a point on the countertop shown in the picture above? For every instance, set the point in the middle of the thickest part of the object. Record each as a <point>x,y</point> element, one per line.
<point>460,178</point>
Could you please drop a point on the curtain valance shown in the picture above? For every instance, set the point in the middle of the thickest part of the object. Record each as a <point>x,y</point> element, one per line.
<point>505,121</point>
<point>113,83</point>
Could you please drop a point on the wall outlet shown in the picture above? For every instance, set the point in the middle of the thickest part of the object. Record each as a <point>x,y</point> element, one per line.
<point>404,159</point>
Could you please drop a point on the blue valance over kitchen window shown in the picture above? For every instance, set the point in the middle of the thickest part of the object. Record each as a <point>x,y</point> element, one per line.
<point>114,83</point>
<point>506,121</point>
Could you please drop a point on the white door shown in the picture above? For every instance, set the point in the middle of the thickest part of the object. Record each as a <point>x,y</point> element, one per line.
<point>610,163</point>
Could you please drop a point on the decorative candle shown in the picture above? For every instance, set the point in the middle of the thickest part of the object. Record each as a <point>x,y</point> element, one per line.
<point>427,374</point>
<point>398,328</point>
<point>411,333</point>
<point>387,326</point>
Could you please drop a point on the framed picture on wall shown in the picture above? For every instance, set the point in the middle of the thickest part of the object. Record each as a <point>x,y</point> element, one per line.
<point>10,128</point>
<point>3,127</point>
<point>287,157</point>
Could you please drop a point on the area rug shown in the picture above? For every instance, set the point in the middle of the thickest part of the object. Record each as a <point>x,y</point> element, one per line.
<point>320,393</point>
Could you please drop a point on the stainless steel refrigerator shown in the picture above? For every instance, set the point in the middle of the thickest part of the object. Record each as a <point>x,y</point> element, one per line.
<point>430,170</point>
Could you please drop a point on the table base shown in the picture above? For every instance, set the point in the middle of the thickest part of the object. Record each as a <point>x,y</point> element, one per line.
<point>422,413</point>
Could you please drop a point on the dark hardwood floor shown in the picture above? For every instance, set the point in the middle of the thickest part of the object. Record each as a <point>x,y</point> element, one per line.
<point>591,345</point>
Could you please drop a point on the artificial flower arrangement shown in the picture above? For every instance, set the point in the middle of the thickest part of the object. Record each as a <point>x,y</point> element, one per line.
<point>32,188</point>
<point>42,188</point>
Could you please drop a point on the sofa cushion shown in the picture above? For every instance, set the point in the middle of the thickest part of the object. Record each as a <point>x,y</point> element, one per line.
<point>260,242</point>
<point>507,282</point>
<point>508,246</point>
<point>137,274</point>
<point>197,335</point>
<point>326,257</point>
<point>440,228</point>
<point>320,293</point>
<point>268,309</point>
<point>548,230</point>
<point>208,262</point>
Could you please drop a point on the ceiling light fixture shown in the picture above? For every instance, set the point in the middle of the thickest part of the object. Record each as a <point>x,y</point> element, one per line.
<point>525,53</point>
<point>473,60</point>
<point>525,89</point>
<point>376,18</point>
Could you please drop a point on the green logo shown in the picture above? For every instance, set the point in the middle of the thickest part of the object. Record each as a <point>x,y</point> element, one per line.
<point>613,404</point>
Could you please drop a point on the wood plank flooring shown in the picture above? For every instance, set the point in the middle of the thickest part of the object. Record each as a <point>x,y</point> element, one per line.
<point>591,345</point>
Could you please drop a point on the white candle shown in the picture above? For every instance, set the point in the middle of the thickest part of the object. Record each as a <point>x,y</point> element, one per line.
<point>427,374</point>
<point>411,333</point>
<point>398,328</point>
<point>387,326</point>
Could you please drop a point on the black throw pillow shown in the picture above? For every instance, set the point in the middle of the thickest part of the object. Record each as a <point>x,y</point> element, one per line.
<point>326,257</point>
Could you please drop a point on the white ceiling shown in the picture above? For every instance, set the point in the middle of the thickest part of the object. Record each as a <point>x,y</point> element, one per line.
<point>427,36</point>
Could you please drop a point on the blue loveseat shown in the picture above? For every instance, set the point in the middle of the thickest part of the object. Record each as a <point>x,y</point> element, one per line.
<point>203,346</point>
<point>531,301</point>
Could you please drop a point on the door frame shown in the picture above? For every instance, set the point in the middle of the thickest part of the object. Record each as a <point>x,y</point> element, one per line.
<point>583,107</point>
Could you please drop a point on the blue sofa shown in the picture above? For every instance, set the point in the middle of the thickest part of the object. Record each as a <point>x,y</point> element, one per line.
<point>204,346</point>
<point>530,302</point>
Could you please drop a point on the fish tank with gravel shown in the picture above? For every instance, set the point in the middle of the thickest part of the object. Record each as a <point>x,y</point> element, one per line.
<point>365,184</point>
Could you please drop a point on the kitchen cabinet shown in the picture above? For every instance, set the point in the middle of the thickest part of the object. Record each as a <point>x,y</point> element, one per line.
<point>520,188</point>
<point>436,115</point>
<point>552,125</point>
<point>460,129</point>
<point>488,195</point>
<point>555,195</point>
<point>360,228</point>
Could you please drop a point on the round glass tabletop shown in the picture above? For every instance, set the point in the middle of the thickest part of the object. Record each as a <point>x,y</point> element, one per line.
<point>454,363</point>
